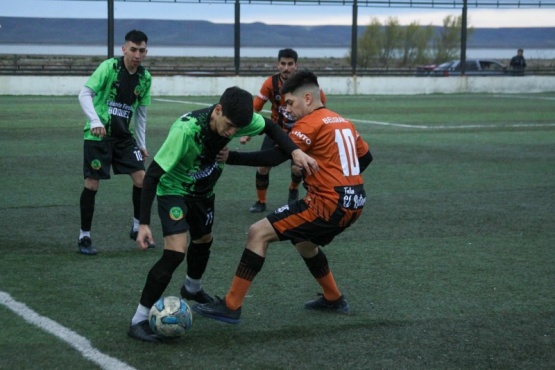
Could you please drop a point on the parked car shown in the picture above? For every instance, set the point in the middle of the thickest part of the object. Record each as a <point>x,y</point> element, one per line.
<point>473,67</point>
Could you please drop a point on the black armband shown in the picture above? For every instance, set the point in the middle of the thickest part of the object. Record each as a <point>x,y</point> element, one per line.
<point>365,160</point>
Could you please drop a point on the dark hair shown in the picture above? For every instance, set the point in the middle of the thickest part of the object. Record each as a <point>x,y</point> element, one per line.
<point>237,106</point>
<point>300,79</point>
<point>288,53</point>
<point>136,37</point>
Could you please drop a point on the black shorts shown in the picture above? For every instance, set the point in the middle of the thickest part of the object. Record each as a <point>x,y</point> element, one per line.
<point>180,214</point>
<point>297,222</point>
<point>124,156</point>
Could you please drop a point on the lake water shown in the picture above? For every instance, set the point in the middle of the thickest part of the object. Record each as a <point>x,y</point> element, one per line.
<point>196,51</point>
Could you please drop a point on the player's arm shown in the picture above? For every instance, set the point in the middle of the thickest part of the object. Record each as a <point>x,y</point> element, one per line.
<point>283,140</point>
<point>140,128</point>
<point>152,177</point>
<point>277,134</point>
<point>150,183</point>
<point>86,96</point>
<point>365,160</point>
<point>263,158</point>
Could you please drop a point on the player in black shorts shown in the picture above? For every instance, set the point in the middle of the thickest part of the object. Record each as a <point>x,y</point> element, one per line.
<point>116,94</point>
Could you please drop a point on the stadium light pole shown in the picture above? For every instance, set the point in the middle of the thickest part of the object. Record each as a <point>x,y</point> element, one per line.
<point>354,38</point>
<point>237,36</point>
<point>110,29</point>
<point>463,38</point>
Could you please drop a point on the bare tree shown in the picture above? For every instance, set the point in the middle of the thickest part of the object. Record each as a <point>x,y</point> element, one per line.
<point>391,42</point>
<point>416,41</point>
<point>369,44</point>
<point>446,43</point>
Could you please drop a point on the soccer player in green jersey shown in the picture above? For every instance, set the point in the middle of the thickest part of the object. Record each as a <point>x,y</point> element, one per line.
<point>117,93</point>
<point>182,176</point>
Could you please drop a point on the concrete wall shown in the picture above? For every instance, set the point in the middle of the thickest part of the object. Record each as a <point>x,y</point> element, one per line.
<point>197,85</point>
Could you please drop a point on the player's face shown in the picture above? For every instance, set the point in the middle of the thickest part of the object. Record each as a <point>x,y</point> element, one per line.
<point>221,124</point>
<point>286,67</point>
<point>133,55</point>
<point>297,105</point>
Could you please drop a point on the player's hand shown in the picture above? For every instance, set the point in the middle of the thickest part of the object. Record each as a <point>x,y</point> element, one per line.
<point>99,132</point>
<point>222,155</point>
<point>144,237</point>
<point>145,153</point>
<point>244,139</point>
<point>304,161</point>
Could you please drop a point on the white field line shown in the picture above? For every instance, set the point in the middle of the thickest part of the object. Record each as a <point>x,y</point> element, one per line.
<point>392,124</point>
<point>76,341</point>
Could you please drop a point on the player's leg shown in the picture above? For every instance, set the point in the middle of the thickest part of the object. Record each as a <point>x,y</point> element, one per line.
<point>317,263</point>
<point>229,309</point>
<point>97,160</point>
<point>174,227</point>
<point>137,177</point>
<point>200,217</point>
<point>262,180</point>
<point>296,178</point>
<point>128,159</point>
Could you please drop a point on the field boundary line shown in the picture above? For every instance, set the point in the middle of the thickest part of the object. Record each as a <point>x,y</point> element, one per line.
<point>81,344</point>
<point>392,124</point>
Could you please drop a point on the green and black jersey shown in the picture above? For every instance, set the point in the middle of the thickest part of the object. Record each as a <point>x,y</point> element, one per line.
<point>188,156</point>
<point>117,94</point>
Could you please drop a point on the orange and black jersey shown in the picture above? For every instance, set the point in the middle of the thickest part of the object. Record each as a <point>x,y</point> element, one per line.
<point>270,91</point>
<point>341,153</point>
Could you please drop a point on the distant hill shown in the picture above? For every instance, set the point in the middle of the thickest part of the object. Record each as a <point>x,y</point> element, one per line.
<point>65,31</point>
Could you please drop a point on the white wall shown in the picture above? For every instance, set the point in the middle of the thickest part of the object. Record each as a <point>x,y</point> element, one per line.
<point>214,86</point>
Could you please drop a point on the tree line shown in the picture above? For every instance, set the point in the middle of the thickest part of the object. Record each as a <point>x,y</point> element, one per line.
<point>392,45</point>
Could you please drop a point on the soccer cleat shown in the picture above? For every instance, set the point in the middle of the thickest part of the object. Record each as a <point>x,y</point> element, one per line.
<point>201,296</point>
<point>86,247</point>
<point>293,195</point>
<point>258,207</point>
<point>142,331</point>
<point>133,236</point>
<point>218,310</point>
<point>322,304</point>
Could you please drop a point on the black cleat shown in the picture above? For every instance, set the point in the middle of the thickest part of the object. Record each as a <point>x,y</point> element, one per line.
<point>85,246</point>
<point>322,304</point>
<point>293,195</point>
<point>142,331</point>
<point>218,310</point>
<point>133,236</point>
<point>201,296</point>
<point>258,207</point>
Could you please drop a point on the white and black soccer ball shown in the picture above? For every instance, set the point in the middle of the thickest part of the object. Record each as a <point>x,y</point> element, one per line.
<point>170,317</point>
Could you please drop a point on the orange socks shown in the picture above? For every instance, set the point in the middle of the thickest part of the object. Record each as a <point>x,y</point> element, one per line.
<point>239,287</point>
<point>261,194</point>
<point>331,292</point>
<point>249,265</point>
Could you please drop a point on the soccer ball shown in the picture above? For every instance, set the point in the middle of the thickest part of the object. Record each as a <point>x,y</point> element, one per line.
<point>170,317</point>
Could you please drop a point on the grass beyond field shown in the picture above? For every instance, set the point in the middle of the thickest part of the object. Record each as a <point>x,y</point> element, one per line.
<point>451,266</point>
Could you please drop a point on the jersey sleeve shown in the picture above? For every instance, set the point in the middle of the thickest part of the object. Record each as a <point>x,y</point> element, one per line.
<point>146,85</point>
<point>323,97</point>
<point>362,145</point>
<point>254,128</point>
<point>177,145</point>
<point>99,77</point>
<point>263,95</point>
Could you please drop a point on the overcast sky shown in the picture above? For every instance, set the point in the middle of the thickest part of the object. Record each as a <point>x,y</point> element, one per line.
<point>273,14</point>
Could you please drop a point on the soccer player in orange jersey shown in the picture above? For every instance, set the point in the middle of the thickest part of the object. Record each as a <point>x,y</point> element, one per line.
<point>334,201</point>
<point>270,91</point>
